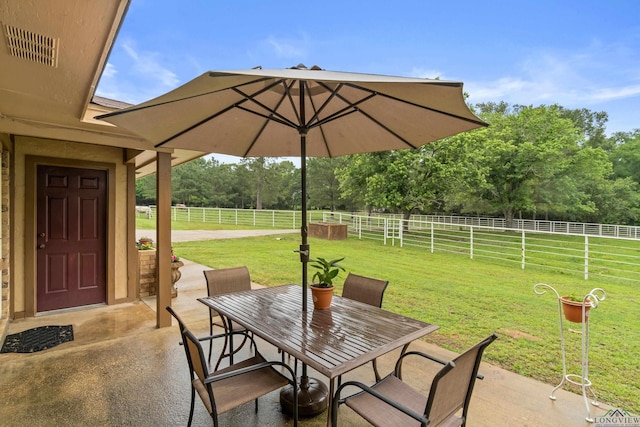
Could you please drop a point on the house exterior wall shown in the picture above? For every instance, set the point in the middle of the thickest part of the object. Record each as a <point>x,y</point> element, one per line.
<point>30,152</point>
<point>5,204</point>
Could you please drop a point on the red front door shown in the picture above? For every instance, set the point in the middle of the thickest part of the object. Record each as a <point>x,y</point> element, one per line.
<point>70,241</point>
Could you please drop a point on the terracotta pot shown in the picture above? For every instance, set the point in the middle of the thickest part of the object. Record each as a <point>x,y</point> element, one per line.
<point>321,297</point>
<point>573,310</point>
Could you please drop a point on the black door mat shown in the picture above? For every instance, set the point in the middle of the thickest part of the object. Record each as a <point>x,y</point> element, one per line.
<point>37,339</point>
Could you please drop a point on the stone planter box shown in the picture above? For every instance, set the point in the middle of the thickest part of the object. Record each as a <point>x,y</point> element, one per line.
<point>328,230</point>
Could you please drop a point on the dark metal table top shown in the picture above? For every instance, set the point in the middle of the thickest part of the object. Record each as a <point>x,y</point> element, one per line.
<point>332,341</point>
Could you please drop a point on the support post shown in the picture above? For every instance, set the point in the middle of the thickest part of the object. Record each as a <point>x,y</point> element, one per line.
<point>163,237</point>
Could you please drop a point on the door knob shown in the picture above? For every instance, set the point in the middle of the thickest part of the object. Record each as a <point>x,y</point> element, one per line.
<point>40,235</point>
<point>41,246</point>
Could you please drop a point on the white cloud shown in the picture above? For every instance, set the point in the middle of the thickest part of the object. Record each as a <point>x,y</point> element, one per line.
<point>138,75</point>
<point>146,65</point>
<point>585,78</point>
<point>286,48</point>
<point>110,71</point>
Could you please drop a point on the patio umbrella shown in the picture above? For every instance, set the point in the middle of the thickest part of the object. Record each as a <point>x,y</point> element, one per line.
<point>300,112</point>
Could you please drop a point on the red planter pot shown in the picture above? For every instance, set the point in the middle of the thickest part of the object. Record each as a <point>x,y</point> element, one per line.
<point>573,310</point>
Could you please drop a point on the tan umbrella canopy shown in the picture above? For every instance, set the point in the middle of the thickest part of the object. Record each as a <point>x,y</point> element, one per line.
<point>262,113</point>
<point>300,112</point>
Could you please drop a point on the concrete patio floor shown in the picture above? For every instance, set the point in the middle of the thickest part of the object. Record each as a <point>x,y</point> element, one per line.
<point>121,370</point>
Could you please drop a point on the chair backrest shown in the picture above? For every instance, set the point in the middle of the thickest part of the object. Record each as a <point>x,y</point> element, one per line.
<point>193,349</point>
<point>452,387</point>
<point>364,289</point>
<point>225,280</point>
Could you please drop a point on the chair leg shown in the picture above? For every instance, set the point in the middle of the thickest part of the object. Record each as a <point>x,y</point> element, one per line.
<point>375,370</point>
<point>210,334</point>
<point>222,353</point>
<point>193,396</point>
<point>404,350</point>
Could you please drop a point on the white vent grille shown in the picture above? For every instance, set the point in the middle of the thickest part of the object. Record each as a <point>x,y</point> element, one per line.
<point>31,46</point>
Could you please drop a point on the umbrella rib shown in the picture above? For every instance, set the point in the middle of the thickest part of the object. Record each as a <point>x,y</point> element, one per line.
<point>273,115</point>
<point>413,104</point>
<point>195,125</point>
<point>326,102</point>
<point>272,111</point>
<point>388,130</point>
<point>236,105</point>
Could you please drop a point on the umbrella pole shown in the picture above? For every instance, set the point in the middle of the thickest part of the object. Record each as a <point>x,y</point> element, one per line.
<point>304,246</point>
<point>313,395</point>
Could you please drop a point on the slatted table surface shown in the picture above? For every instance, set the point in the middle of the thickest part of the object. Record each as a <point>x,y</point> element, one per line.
<point>332,341</point>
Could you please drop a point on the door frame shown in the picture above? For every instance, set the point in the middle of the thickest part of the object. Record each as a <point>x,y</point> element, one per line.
<point>30,224</point>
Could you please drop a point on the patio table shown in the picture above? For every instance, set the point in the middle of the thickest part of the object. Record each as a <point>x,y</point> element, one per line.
<point>332,341</point>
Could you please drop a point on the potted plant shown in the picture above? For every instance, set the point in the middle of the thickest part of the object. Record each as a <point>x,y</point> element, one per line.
<point>572,308</point>
<point>322,286</point>
<point>145,243</point>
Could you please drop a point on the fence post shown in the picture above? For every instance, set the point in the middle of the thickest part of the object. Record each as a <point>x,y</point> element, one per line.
<point>523,249</point>
<point>385,224</point>
<point>401,231</point>
<point>586,257</point>
<point>432,239</point>
<point>471,242</point>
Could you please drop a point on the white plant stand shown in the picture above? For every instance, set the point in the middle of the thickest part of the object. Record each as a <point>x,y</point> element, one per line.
<point>592,299</point>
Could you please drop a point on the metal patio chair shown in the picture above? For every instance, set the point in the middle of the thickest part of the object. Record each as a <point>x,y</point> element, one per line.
<point>369,291</point>
<point>223,281</point>
<point>391,402</point>
<point>234,385</point>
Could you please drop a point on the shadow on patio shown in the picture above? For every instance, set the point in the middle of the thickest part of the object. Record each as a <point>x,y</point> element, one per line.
<point>121,370</point>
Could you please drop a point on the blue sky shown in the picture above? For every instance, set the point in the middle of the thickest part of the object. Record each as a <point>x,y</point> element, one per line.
<point>578,54</point>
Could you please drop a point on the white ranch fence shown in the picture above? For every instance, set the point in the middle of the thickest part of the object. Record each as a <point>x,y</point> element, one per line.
<point>584,249</point>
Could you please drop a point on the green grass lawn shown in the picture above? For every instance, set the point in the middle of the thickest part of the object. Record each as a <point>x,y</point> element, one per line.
<point>469,299</point>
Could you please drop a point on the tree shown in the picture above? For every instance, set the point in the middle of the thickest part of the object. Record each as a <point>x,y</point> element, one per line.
<point>288,185</point>
<point>146,190</point>
<point>404,180</point>
<point>626,155</point>
<point>526,151</point>
<point>591,124</point>
<point>188,182</point>
<point>322,183</point>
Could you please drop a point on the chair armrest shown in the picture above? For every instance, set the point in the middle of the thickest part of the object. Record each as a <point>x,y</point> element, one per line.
<point>369,390</point>
<point>218,377</point>
<point>398,369</point>
<point>222,335</point>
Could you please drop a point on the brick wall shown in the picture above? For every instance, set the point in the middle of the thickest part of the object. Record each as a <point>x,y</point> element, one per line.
<point>147,284</point>
<point>147,273</point>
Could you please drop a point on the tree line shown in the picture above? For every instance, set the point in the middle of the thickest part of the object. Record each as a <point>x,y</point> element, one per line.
<point>531,162</point>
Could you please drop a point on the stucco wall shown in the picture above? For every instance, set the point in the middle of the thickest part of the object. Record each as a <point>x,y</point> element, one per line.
<point>5,204</point>
<point>75,154</point>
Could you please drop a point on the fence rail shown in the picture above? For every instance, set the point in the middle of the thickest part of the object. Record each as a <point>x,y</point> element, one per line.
<point>614,252</point>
